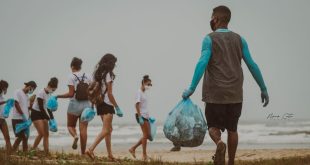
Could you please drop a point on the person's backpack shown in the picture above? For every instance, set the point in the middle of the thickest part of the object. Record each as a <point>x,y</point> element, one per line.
<point>81,91</point>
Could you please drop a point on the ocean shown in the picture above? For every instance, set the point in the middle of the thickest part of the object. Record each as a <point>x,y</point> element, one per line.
<point>252,135</point>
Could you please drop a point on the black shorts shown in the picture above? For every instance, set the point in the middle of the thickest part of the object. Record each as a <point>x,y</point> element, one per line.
<point>223,116</point>
<point>144,119</point>
<point>2,122</point>
<point>21,134</point>
<point>104,108</point>
<point>38,115</point>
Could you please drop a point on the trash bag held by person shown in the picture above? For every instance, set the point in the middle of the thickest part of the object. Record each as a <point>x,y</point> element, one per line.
<point>88,114</point>
<point>185,125</point>
<point>52,103</point>
<point>153,128</point>
<point>7,108</point>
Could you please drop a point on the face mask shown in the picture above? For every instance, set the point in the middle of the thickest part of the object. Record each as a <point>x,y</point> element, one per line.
<point>30,92</point>
<point>49,91</point>
<point>212,25</point>
<point>147,87</point>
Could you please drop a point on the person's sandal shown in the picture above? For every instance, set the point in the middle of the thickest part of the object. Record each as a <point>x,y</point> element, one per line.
<point>90,154</point>
<point>219,157</point>
<point>75,145</point>
<point>112,159</point>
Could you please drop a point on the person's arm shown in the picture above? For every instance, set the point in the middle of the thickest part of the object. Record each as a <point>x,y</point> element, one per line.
<point>200,68</point>
<point>2,102</point>
<point>50,113</point>
<point>41,105</point>
<point>110,94</point>
<point>18,109</point>
<point>253,67</point>
<point>31,101</point>
<point>69,94</point>
<point>138,108</point>
<point>255,71</point>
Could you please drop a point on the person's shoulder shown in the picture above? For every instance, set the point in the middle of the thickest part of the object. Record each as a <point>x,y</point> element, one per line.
<point>109,77</point>
<point>89,76</point>
<point>236,34</point>
<point>18,91</point>
<point>71,76</point>
<point>41,92</point>
<point>139,92</point>
<point>207,40</point>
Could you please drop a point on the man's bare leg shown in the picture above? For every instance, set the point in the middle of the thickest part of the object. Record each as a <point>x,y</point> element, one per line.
<point>232,141</point>
<point>215,135</point>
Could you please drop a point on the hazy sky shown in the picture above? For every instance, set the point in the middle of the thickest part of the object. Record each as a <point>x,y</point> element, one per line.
<point>38,39</point>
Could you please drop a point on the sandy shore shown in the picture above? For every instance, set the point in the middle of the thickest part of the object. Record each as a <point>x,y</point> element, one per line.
<point>199,153</point>
<point>192,155</point>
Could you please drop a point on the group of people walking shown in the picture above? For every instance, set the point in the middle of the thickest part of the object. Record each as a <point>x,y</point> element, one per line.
<point>84,91</point>
<point>221,59</point>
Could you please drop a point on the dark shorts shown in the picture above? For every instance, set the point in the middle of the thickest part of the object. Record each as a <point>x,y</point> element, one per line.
<point>223,116</point>
<point>2,122</point>
<point>38,115</point>
<point>104,108</point>
<point>144,119</point>
<point>22,134</point>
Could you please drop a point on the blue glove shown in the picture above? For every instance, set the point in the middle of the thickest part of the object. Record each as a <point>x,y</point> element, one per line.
<point>187,93</point>
<point>119,112</point>
<point>152,119</point>
<point>265,98</point>
<point>140,120</point>
<point>24,117</point>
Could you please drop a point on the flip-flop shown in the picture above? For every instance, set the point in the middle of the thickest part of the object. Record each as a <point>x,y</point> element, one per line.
<point>132,153</point>
<point>112,159</point>
<point>90,154</point>
<point>219,157</point>
<point>75,145</point>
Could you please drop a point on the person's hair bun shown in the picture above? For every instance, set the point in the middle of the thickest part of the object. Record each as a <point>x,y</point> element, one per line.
<point>53,82</point>
<point>54,79</point>
<point>145,77</point>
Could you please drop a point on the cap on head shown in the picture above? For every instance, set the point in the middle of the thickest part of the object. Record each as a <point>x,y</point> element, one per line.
<point>31,83</point>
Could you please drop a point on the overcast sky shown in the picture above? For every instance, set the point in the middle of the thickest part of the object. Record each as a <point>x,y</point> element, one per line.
<point>38,39</point>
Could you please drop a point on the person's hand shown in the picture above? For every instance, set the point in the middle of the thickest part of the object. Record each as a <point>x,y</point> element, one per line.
<point>32,98</point>
<point>119,112</point>
<point>265,98</point>
<point>24,117</point>
<point>56,97</point>
<point>187,93</point>
<point>140,120</point>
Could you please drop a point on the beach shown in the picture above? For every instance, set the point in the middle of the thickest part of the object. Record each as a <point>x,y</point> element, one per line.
<point>186,156</point>
<point>257,141</point>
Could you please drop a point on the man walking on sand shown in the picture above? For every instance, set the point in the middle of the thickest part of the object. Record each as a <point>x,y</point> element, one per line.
<point>221,54</point>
